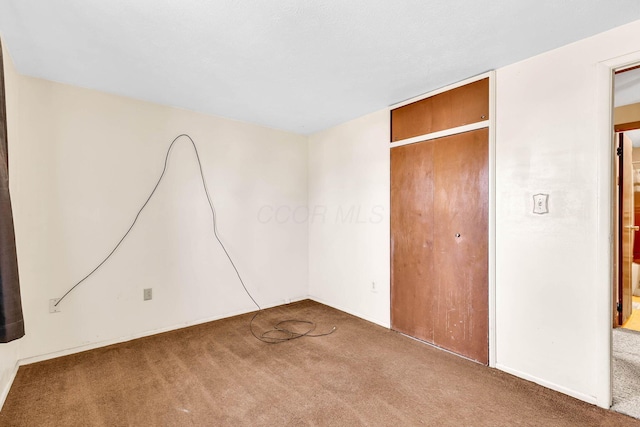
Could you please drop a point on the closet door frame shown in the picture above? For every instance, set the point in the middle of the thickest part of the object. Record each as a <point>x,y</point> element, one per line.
<point>490,124</point>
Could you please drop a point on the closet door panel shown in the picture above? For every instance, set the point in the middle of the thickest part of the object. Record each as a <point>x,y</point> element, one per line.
<point>457,107</point>
<point>412,291</point>
<point>461,243</point>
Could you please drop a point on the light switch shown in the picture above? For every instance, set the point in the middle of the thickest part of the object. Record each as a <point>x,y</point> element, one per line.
<point>540,203</point>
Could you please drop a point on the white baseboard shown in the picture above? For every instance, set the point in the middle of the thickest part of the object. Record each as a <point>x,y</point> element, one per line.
<point>91,346</point>
<point>580,396</point>
<point>7,386</point>
<point>352,312</point>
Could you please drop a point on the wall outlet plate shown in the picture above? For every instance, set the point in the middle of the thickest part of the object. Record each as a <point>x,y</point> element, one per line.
<point>52,305</point>
<point>147,294</point>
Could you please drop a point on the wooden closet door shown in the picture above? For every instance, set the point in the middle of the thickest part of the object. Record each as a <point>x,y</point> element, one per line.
<point>412,298</point>
<point>439,242</point>
<point>461,244</point>
<point>456,107</point>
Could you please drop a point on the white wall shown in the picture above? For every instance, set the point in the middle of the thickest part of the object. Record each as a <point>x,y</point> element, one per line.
<point>9,352</point>
<point>550,313</point>
<point>83,163</point>
<point>548,289</point>
<point>349,220</point>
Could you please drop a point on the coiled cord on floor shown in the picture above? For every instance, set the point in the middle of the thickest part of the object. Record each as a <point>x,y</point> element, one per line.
<point>278,333</point>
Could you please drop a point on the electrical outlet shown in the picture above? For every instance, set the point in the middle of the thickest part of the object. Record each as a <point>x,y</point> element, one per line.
<point>148,294</point>
<point>373,288</point>
<point>52,305</point>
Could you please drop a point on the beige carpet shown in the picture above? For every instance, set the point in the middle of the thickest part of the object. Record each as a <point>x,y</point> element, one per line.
<point>218,374</point>
<point>626,372</point>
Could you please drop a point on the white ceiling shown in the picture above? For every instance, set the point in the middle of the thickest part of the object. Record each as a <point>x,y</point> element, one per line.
<point>627,88</point>
<point>298,65</point>
<point>627,91</point>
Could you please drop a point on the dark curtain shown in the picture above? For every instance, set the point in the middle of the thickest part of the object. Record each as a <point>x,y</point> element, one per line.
<point>11,322</point>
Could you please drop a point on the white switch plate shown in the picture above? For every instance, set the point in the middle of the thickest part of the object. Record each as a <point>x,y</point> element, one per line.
<point>540,203</point>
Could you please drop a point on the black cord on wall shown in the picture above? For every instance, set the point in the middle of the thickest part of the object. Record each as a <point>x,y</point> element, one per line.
<point>281,331</point>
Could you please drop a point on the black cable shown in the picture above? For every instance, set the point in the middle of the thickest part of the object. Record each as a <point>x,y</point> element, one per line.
<point>268,336</point>
<point>286,334</point>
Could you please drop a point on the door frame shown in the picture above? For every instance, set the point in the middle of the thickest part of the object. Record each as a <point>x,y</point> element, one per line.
<point>491,124</point>
<point>605,220</point>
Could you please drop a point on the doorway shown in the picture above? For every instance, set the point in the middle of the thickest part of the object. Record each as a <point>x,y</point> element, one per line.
<point>626,251</point>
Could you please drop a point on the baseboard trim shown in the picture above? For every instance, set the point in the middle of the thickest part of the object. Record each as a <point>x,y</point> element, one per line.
<point>352,312</point>
<point>7,387</point>
<point>105,343</point>
<point>548,384</point>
